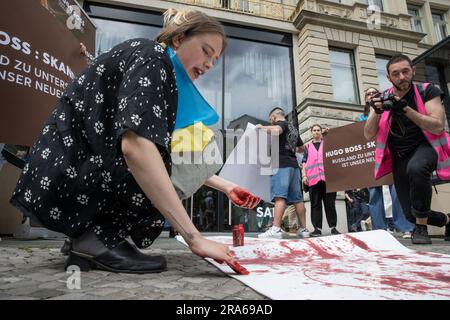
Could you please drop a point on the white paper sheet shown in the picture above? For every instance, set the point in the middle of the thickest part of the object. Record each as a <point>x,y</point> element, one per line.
<point>247,174</point>
<point>364,265</point>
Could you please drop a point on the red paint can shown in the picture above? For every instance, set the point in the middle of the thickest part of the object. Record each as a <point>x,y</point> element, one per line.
<point>238,235</point>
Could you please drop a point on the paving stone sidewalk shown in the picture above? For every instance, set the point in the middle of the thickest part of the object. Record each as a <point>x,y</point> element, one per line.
<point>34,269</point>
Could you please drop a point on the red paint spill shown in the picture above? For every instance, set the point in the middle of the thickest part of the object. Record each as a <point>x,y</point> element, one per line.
<point>324,270</point>
<point>292,251</point>
<point>395,257</point>
<point>358,243</point>
<point>426,264</point>
<point>437,276</point>
<point>260,271</point>
<point>321,252</point>
<point>405,285</point>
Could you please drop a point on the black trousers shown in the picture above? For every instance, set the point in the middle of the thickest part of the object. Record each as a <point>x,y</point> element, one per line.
<point>318,194</point>
<point>412,179</point>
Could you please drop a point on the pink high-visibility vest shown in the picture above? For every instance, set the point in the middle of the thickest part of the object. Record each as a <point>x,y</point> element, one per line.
<point>440,143</point>
<point>314,165</point>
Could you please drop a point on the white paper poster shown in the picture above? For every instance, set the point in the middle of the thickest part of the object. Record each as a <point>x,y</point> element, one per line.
<point>243,165</point>
<point>364,265</point>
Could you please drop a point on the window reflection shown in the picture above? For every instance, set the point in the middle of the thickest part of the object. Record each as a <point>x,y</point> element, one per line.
<point>378,3</point>
<point>439,25</point>
<point>257,78</point>
<point>111,33</point>
<point>382,72</point>
<point>343,76</point>
<point>416,24</point>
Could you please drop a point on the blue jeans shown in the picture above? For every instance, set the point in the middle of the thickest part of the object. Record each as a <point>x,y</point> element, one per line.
<point>378,214</point>
<point>285,183</point>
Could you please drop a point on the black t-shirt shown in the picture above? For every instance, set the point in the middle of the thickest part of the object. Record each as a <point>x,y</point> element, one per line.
<point>289,140</point>
<point>405,136</point>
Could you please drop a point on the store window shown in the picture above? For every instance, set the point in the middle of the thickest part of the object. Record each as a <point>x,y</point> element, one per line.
<point>252,76</point>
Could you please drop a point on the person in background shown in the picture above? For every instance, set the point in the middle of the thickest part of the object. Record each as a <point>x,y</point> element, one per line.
<point>411,143</point>
<point>377,201</point>
<point>290,219</point>
<point>356,204</point>
<point>314,177</point>
<point>285,186</point>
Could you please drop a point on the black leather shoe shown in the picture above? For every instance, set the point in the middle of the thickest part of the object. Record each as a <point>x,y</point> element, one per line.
<point>420,235</point>
<point>66,247</point>
<point>447,231</point>
<point>124,258</point>
<point>334,231</point>
<point>316,233</point>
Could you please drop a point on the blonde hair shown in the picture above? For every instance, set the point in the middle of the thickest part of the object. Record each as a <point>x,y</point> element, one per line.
<point>188,22</point>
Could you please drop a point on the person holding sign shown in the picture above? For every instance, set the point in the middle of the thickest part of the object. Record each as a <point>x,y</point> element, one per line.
<point>314,177</point>
<point>100,170</point>
<point>408,123</point>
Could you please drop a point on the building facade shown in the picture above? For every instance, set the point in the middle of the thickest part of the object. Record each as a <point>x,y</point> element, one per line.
<point>313,57</point>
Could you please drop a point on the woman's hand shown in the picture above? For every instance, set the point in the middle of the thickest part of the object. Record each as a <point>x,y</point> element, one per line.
<point>83,49</point>
<point>325,131</point>
<point>305,179</point>
<point>84,52</point>
<point>242,198</point>
<point>210,249</point>
<point>238,195</point>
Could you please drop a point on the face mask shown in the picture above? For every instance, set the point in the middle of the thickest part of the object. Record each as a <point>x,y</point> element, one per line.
<point>192,107</point>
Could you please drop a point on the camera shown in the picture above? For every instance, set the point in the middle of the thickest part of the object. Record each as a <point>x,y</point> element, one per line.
<point>389,103</point>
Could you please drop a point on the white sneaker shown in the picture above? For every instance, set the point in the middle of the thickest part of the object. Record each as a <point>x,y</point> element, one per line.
<point>407,235</point>
<point>363,226</point>
<point>271,234</point>
<point>303,233</point>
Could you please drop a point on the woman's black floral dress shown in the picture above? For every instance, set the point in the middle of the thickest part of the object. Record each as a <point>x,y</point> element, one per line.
<point>76,177</point>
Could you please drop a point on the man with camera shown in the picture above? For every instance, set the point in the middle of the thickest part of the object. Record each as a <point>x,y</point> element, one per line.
<point>408,122</point>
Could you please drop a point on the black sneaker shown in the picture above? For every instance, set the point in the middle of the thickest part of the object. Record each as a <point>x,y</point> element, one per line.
<point>420,235</point>
<point>316,233</point>
<point>447,231</point>
<point>334,231</point>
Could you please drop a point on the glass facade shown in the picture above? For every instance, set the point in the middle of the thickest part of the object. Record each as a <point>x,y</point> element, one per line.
<point>258,78</point>
<point>252,76</point>
<point>111,33</point>
<point>345,87</point>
